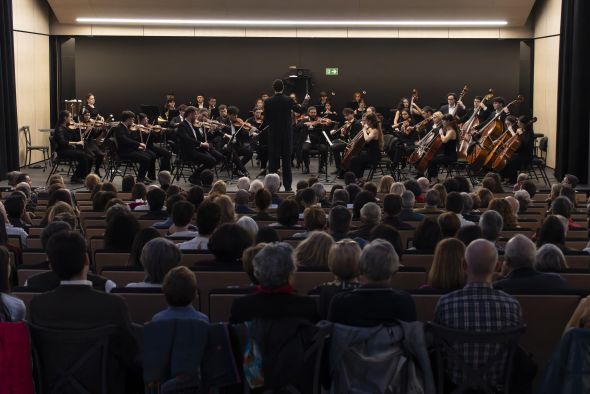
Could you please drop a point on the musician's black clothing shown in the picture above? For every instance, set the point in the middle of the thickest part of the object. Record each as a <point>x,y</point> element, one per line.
<point>93,111</point>
<point>501,117</point>
<point>213,112</point>
<point>312,138</point>
<point>368,157</point>
<point>459,112</point>
<point>339,144</point>
<point>190,140</point>
<point>128,149</point>
<point>261,142</point>
<point>481,116</point>
<point>161,153</point>
<point>522,157</point>
<point>61,139</point>
<point>447,155</point>
<point>277,114</point>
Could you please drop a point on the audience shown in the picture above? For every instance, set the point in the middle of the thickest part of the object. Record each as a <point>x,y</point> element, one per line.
<point>182,215</point>
<point>241,201</point>
<point>407,213</point>
<point>248,260</point>
<point>228,242</point>
<point>491,224</point>
<point>267,234</point>
<point>370,216</point>
<point>262,200</point>
<point>390,234</point>
<point>550,258</point>
<point>170,202</point>
<point>208,218</point>
<point>180,289</point>
<point>449,224</point>
<point>314,219</point>
<point>12,230</point>
<point>248,224</point>
<point>392,206</point>
<point>158,256</point>
<point>12,309</point>
<point>362,198</point>
<point>120,232</point>
<point>468,234</point>
<point>478,307</point>
<point>426,236</point>
<point>287,214</point>
<point>431,203</point>
<point>274,297</point>
<point>339,222</point>
<point>448,265</point>
<point>156,198</point>
<point>385,184</point>
<point>314,250</point>
<point>142,237</point>
<point>272,183</point>
<point>375,302</point>
<point>503,207</point>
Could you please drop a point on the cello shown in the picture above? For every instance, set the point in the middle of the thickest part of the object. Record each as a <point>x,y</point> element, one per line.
<point>499,143</point>
<point>489,133</point>
<point>509,148</point>
<point>426,150</point>
<point>353,148</point>
<point>467,127</point>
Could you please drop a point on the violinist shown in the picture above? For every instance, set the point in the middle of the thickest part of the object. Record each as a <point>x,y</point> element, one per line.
<point>311,137</point>
<point>222,117</point>
<point>178,119</point>
<point>239,136</point>
<point>328,112</point>
<point>523,155</point>
<point>212,130</point>
<point>356,100</point>
<point>406,137</point>
<point>130,148</point>
<point>212,107</point>
<point>193,144</point>
<point>426,123</point>
<point>448,154</point>
<point>165,116</point>
<point>404,104</point>
<point>90,106</point>
<point>345,133</point>
<point>257,120</point>
<point>90,146</point>
<point>66,141</point>
<point>374,142</point>
<point>149,137</point>
<point>200,102</point>
<point>454,107</point>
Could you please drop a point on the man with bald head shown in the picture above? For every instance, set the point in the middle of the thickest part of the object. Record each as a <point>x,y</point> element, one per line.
<point>478,307</point>
<point>519,257</point>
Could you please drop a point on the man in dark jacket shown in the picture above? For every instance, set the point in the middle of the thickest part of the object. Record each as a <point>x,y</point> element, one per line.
<point>129,148</point>
<point>277,113</point>
<point>519,257</point>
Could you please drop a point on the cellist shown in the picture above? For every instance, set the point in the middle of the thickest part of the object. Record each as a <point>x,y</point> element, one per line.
<point>524,154</point>
<point>371,153</point>
<point>448,152</point>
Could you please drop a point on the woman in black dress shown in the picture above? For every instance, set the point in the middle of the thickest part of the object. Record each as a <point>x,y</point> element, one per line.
<point>371,153</point>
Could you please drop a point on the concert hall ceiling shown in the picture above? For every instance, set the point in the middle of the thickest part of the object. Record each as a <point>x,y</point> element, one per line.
<point>514,12</point>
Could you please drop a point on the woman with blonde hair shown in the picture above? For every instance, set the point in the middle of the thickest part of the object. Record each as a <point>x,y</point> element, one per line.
<point>219,188</point>
<point>91,181</point>
<point>397,188</point>
<point>448,265</point>
<point>385,184</point>
<point>228,212</point>
<point>442,191</point>
<point>343,261</point>
<point>314,251</point>
<point>503,207</point>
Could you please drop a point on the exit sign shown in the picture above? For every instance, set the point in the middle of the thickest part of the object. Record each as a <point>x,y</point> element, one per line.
<point>331,70</point>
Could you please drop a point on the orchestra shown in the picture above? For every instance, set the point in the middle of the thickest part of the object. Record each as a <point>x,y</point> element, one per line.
<point>485,136</point>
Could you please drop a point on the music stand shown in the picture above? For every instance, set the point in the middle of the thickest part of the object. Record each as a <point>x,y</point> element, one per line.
<point>152,112</point>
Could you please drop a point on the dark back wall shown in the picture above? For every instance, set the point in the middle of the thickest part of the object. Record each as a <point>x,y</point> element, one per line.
<point>124,72</point>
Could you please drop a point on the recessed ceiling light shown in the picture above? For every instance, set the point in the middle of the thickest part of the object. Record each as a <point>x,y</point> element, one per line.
<point>295,23</point>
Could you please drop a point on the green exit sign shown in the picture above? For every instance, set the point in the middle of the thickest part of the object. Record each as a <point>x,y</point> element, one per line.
<point>331,70</point>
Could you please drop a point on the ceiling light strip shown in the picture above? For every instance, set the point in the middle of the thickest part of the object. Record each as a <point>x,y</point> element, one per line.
<point>294,23</point>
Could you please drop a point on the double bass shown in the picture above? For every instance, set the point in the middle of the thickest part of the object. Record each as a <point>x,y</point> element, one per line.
<point>464,92</point>
<point>426,149</point>
<point>508,150</point>
<point>489,133</point>
<point>467,127</point>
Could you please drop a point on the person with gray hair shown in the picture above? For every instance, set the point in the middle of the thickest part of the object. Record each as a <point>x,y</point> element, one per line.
<point>524,200</point>
<point>243,183</point>
<point>478,307</point>
<point>407,214</point>
<point>158,256</point>
<point>519,259</point>
<point>467,212</point>
<point>375,302</point>
<point>550,258</point>
<point>272,183</point>
<point>320,192</point>
<point>274,268</point>
<point>431,203</point>
<point>370,217</point>
<point>249,224</point>
<point>340,197</point>
<point>491,224</point>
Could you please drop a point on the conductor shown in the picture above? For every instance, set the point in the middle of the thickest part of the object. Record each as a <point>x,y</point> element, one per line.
<point>277,113</point>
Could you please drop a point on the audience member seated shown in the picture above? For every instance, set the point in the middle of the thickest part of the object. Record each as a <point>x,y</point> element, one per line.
<point>180,289</point>
<point>164,179</point>
<point>100,201</point>
<point>12,309</point>
<point>449,224</point>
<point>314,219</point>
<point>228,242</point>
<point>397,188</point>
<point>320,191</point>
<point>127,183</point>
<point>219,188</point>
<point>468,212</point>
<point>182,215</point>
<point>468,234</point>
<point>343,261</point>
<point>570,180</point>
<point>564,207</point>
<point>306,198</point>
<point>390,234</point>
<point>339,221</point>
<point>454,203</point>
<point>195,196</point>
<point>362,198</point>
<point>519,259</point>
<point>156,198</point>
<point>157,258</point>
<point>340,197</point>
<point>10,229</point>
<point>485,197</point>
<point>15,205</point>
<point>248,261</point>
<point>426,236</point>
<point>206,177</point>
<point>287,214</point>
<point>314,250</point>
<point>241,200</point>
<point>274,297</point>
<point>448,266</point>
<point>553,231</point>
<point>255,185</point>
<point>413,186</point>
<point>514,205</point>
<point>550,258</point>
<point>392,206</point>
<point>138,195</point>
<point>208,218</point>
<point>431,203</point>
<point>478,307</point>
<point>243,183</point>
<point>120,232</point>
<point>353,190</point>
<point>75,305</point>
<point>370,216</point>
<point>267,234</point>
<point>491,224</point>
<point>530,187</point>
<point>142,237</point>
<point>407,213</point>
<point>91,182</point>
<point>262,201</point>
<point>375,302</point>
<point>524,200</point>
<point>272,183</point>
<point>503,207</point>
<point>248,224</point>
<point>170,201</point>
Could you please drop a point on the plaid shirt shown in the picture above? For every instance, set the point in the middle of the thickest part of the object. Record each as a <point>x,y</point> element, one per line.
<point>478,307</point>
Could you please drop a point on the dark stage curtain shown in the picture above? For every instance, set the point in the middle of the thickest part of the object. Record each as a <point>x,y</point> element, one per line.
<point>573,110</point>
<point>8,122</point>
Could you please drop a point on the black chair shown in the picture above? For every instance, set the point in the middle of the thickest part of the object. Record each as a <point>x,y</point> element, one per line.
<point>116,163</point>
<point>58,162</point>
<point>386,166</point>
<point>536,168</point>
<point>459,167</point>
<point>503,345</point>
<point>29,148</point>
<point>71,361</point>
